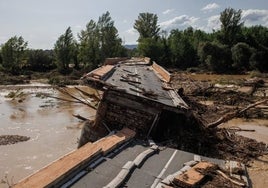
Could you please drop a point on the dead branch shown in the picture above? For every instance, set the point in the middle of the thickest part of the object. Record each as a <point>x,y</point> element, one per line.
<point>236,129</point>
<point>93,96</point>
<point>230,179</point>
<point>230,116</point>
<point>62,99</point>
<point>64,91</point>
<point>80,117</point>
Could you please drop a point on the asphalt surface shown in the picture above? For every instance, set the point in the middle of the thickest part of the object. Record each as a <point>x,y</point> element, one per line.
<point>146,80</point>
<point>167,161</point>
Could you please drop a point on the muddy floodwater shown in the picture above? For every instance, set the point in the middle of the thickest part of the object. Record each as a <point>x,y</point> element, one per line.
<point>49,123</point>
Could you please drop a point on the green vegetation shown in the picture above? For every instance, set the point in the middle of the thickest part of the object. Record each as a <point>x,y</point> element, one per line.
<point>12,53</point>
<point>98,41</point>
<point>232,49</point>
<point>65,51</point>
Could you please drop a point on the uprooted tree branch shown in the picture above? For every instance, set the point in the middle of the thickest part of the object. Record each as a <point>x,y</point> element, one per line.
<point>89,99</point>
<point>230,116</point>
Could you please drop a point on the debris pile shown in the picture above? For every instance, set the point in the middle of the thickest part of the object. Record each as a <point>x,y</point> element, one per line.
<point>12,139</point>
<point>194,129</point>
<point>207,174</point>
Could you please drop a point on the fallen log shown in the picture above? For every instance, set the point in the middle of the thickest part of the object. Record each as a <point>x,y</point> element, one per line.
<point>80,117</point>
<point>230,116</point>
<point>73,99</point>
<point>64,91</point>
<point>230,179</point>
<point>93,96</point>
<point>237,129</point>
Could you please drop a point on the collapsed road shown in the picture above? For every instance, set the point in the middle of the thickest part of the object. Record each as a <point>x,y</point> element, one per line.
<point>138,96</point>
<point>116,149</point>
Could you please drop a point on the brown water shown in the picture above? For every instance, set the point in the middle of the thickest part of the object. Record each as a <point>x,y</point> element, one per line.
<point>259,125</point>
<point>48,122</point>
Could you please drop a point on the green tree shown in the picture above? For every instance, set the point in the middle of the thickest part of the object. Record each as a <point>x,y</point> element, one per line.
<point>165,53</point>
<point>1,60</point>
<point>89,48</point>
<point>256,36</point>
<point>183,53</point>
<point>110,43</point>
<point>64,50</point>
<point>258,60</point>
<point>149,43</point>
<point>147,26</point>
<point>149,47</point>
<point>215,57</point>
<point>13,54</point>
<point>99,41</point>
<point>230,26</point>
<point>241,53</point>
<point>40,60</point>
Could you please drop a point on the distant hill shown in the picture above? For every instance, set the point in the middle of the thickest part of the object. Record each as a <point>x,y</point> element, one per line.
<point>131,46</point>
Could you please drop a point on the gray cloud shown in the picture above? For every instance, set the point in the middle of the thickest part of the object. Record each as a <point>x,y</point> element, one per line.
<point>180,22</point>
<point>168,11</point>
<point>255,16</point>
<point>210,7</point>
<point>213,23</point>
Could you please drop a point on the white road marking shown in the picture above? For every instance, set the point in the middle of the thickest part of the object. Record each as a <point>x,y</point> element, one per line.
<point>163,170</point>
<point>136,72</point>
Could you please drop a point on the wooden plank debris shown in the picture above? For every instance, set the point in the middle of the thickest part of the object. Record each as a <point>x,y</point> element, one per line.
<point>66,167</point>
<point>102,71</point>
<point>109,143</point>
<point>60,169</point>
<point>193,176</point>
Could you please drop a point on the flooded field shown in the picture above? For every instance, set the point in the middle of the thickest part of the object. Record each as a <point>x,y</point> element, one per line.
<point>49,123</point>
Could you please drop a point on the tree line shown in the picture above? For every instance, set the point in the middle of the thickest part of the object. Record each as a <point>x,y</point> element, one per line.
<point>233,48</point>
<point>96,42</point>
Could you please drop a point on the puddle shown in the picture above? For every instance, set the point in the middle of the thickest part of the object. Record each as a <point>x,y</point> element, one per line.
<point>48,122</point>
<point>259,125</point>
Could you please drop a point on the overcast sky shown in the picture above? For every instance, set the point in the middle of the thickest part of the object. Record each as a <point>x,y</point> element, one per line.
<point>42,22</point>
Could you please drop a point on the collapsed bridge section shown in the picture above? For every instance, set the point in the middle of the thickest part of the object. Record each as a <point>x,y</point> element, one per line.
<point>138,96</point>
